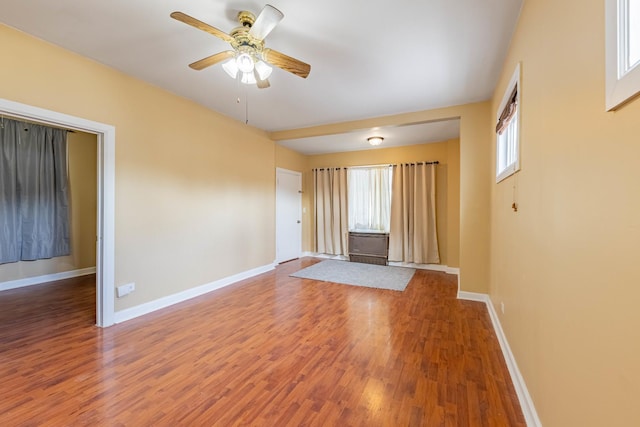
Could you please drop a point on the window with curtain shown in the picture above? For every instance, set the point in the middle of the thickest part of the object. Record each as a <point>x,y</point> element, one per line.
<point>508,130</point>
<point>34,209</point>
<point>369,198</point>
<point>399,200</point>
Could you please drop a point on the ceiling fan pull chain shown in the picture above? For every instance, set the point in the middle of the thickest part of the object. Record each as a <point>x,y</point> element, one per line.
<point>238,89</point>
<point>246,106</point>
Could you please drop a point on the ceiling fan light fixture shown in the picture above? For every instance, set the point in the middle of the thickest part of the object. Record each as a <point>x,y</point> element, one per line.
<point>375,140</point>
<point>248,51</point>
<point>231,68</point>
<point>264,70</point>
<point>245,63</point>
<point>248,79</point>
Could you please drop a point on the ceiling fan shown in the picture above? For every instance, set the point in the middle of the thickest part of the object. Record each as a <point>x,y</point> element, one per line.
<point>249,60</point>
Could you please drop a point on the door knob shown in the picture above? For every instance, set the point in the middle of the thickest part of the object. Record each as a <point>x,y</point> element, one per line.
<point>298,221</point>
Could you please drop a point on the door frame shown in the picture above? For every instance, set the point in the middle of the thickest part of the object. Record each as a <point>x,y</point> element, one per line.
<point>280,171</point>
<point>105,234</point>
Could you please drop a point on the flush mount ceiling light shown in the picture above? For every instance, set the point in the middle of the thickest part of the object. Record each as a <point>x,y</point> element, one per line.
<point>375,140</point>
<point>249,56</point>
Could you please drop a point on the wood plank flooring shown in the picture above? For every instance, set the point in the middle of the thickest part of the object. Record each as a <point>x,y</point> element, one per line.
<point>269,351</point>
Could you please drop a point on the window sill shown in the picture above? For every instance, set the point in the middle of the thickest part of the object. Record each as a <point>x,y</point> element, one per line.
<point>507,172</point>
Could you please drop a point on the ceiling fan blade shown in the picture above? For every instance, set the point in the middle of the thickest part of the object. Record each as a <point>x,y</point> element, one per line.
<point>287,63</point>
<point>182,17</point>
<point>262,84</point>
<point>266,22</point>
<point>211,60</point>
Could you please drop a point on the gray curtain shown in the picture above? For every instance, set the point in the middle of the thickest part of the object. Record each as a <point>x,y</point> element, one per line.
<point>413,236</point>
<point>332,220</point>
<point>34,209</point>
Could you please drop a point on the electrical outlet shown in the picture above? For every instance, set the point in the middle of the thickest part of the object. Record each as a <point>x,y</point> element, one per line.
<point>502,307</point>
<point>126,289</point>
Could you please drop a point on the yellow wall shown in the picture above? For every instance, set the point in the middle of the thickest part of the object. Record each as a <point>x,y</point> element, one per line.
<point>565,265</point>
<point>195,191</point>
<point>82,151</point>
<point>447,179</point>
<point>289,159</point>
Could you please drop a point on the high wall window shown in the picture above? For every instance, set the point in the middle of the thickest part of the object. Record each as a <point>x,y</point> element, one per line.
<point>633,31</point>
<point>622,51</point>
<point>508,130</point>
<point>369,198</point>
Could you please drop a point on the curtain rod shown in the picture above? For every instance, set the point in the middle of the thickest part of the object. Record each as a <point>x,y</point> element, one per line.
<point>32,122</point>
<point>391,165</point>
<point>436,162</point>
<point>419,163</point>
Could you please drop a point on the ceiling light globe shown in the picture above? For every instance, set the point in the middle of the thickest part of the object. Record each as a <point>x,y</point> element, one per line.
<point>264,70</point>
<point>248,79</point>
<point>231,68</point>
<point>375,140</point>
<point>245,62</point>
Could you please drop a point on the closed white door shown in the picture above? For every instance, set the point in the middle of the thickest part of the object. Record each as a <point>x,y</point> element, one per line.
<point>288,215</point>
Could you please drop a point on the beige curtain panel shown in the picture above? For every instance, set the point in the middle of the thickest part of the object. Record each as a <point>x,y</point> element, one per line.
<point>413,236</point>
<point>332,219</point>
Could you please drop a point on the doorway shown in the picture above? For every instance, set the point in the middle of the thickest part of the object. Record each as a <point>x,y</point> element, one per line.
<point>105,236</point>
<point>288,215</point>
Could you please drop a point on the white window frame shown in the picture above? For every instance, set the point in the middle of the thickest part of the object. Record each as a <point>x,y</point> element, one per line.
<point>622,79</point>
<point>505,171</point>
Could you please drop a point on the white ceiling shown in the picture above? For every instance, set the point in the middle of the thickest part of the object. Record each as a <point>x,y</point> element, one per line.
<point>368,58</point>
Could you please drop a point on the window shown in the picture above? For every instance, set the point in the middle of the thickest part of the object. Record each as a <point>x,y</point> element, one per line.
<point>622,51</point>
<point>508,130</point>
<point>633,29</point>
<point>369,198</point>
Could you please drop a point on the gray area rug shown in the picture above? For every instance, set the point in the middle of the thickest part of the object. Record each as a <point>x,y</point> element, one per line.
<point>358,274</point>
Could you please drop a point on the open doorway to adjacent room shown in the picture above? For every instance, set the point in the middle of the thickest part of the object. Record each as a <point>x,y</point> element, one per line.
<point>90,154</point>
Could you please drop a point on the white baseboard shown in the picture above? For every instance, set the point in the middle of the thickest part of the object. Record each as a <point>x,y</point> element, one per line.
<point>473,296</point>
<point>526,403</point>
<point>325,256</point>
<point>434,267</point>
<point>146,308</point>
<point>30,281</point>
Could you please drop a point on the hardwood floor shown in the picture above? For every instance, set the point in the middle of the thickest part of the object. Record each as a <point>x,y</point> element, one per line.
<point>269,351</point>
